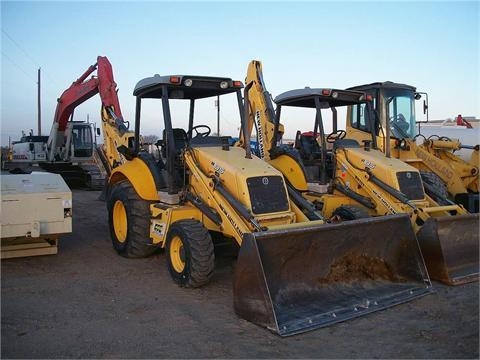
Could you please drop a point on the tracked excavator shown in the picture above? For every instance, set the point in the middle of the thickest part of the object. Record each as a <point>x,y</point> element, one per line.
<point>446,176</point>
<point>70,149</point>
<point>350,181</point>
<point>292,274</point>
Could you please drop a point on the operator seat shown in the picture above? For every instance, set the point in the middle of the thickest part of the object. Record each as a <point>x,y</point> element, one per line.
<point>181,140</point>
<point>308,147</point>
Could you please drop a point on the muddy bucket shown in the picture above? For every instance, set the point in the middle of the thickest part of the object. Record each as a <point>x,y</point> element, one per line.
<point>450,248</point>
<point>300,279</point>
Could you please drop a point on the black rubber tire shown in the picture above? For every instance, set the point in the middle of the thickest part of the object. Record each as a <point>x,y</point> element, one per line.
<point>351,212</point>
<point>198,255</point>
<point>137,241</point>
<point>435,183</point>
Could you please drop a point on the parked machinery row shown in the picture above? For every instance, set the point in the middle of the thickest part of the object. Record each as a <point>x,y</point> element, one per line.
<point>324,234</point>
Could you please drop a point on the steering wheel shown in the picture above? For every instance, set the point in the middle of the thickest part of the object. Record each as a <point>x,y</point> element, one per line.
<point>336,135</point>
<point>399,126</point>
<point>199,133</point>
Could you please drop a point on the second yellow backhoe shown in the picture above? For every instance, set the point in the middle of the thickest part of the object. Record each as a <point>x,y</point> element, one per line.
<point>350,181</point>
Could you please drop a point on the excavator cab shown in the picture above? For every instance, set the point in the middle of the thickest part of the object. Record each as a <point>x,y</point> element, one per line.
<point>82,143</point>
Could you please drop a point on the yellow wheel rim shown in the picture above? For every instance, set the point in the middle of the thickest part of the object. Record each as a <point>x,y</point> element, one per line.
<point>120,224</point>
<point>177,254</point>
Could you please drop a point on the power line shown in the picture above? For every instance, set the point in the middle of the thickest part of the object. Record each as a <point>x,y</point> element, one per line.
<point>18,67</point>
<point>28,55</point>
<point>30,76</point>
<point>21,49</point>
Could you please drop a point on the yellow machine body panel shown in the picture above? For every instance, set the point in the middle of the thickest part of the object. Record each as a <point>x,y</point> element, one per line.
<point>139,175</point>
<point>291,169</point>
<point>235,172</point>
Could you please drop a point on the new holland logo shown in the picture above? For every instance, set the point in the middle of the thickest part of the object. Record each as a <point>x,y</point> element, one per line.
<point>265,181</point>
<point>260,134</point>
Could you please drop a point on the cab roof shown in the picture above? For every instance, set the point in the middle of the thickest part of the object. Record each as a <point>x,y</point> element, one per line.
<point>328,97</point>
<point>382,85</point>
<point>201,86</point>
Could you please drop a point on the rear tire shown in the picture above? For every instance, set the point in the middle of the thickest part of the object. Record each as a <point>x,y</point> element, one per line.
<point>440,189</point>
<point>190,255</point>
<point>129,222</point>
<point>351,212</point>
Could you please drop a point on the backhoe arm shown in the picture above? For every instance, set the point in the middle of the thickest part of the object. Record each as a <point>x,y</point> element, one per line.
<point>115,129</point>
<point>261,114</point>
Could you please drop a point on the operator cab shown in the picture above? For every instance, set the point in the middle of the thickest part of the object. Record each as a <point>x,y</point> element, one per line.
<point>316,156</point>
<point>396,102</point>
<point>175,140</point>
<point>82,140</point>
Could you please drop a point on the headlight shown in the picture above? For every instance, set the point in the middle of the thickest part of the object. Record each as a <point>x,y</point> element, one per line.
<point>188,82</point>
<point>224,85</point>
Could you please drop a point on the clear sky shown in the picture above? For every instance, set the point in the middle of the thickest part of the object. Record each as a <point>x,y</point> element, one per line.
<point>431,45</point>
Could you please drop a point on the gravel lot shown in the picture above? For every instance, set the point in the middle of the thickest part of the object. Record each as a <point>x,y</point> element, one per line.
<point>88,302</point>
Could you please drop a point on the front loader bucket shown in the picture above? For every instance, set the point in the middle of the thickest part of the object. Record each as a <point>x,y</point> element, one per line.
<point>300,279</point>
<point>449,246</point>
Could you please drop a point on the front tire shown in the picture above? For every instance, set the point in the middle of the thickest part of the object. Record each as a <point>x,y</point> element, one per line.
<point>129,222</point>
<point>350,212</point>
<point>190,255</point>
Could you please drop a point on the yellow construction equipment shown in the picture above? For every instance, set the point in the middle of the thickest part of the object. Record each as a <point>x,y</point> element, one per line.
<point>292,274</point>
<point>445,174</point>
<point>349,181</point>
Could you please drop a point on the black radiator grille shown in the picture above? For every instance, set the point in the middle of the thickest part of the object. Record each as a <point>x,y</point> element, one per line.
<point>411,184</point>
<point>267,194</point>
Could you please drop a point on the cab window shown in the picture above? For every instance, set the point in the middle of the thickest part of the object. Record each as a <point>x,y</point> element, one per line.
<point>359,117</point>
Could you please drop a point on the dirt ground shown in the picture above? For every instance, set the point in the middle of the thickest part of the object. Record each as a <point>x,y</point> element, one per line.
<point>88,302</point>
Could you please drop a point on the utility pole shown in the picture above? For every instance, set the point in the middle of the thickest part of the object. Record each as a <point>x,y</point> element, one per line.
<point>38,106</point>
<point>218,115</point>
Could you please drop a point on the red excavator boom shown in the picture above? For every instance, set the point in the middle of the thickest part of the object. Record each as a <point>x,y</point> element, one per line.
<point>81,90</point>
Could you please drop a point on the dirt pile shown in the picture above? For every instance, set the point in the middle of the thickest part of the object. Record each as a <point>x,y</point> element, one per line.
<point>354,267</point>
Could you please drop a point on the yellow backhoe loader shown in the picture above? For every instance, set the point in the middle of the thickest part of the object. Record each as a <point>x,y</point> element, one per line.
<point>352,181</point>
<point>445,174</point>
<point>292,274</point>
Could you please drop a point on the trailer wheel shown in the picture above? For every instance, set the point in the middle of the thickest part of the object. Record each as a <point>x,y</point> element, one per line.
<point>437,189</point>
<point>350,212</point>
<point>190,255</point>
<point>129,222</point>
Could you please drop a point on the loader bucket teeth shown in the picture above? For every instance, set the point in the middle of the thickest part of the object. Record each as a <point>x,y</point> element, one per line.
<point>450,248</point>
<point>305,278</point>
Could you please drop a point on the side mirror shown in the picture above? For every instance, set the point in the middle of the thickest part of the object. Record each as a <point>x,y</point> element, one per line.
<point>31,146</point>
<point>418,96</point>
<point>98,131</point>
